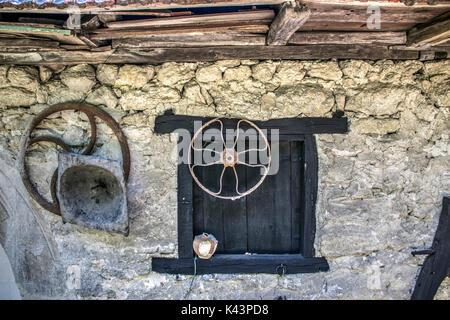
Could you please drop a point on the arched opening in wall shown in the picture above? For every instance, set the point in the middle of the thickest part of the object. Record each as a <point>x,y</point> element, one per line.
<point>92,194</point>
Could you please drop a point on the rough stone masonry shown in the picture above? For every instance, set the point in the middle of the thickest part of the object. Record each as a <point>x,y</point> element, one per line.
<point>380,186</point>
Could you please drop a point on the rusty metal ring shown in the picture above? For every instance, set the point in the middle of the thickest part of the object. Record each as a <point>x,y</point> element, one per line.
<point>91,112</point>
<point>54,206</point>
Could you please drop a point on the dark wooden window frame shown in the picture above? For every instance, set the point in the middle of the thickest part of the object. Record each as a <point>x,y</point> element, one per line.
<point>437,263</point>
<point>298,129</point>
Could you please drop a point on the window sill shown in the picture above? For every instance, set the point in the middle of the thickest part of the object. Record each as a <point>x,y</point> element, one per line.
<point>240,263</point>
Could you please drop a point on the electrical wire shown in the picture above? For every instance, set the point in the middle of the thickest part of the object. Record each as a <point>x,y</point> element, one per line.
<point>193,278</point>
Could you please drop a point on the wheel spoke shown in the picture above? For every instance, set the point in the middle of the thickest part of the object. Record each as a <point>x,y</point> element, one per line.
<point>220,185</point>
<point>206,164</point>
<point>237,181</point>
<point>252,150</point>
<point>228,164</point>
<point>252,165</point>
<point>205,149</point>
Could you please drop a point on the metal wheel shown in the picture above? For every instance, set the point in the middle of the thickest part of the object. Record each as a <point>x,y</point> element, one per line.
<point>229,158</point>
<point>27,141</point>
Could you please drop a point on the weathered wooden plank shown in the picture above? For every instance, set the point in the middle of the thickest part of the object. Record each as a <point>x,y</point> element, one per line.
<point>160,55</point>
<point>297,195</point>
<point>31,28</point>
<point>427,55</point>
<point>436,266</point>
<point>310,192</point>
<point>91,23</point>
<point>61,35</point>
<point>28,43</point>
<point>354,26</point>
<point>251,25</point>
<point>85,47</point>
<point>41,20</point>
<point>269,208</point>
<point>289,19</point>
<point>213,208</point>
<point>108,17</point>
<point>178,33</point>
<point>321,11</point>
<point>61,38</point>
<point>432,34</point>
<point>225,263</point>
<point>169,123</point>
<point>186,20</point>
<point>74,47</point>
<point>441,48</point>
<point>185,212</point>
<point>101,49</point>
<point>19,36</point>
<point>235,215</point>
<point>90,43</point>
<point>23,50</point>
<point>191,40</point>
<point>198,219</point>
<point>159,13</point>
<point>348,38</point>
<point>261,233</point>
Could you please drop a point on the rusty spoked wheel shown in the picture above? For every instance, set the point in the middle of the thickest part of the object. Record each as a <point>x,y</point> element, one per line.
<point>91,112</point>
<point>229,158</point>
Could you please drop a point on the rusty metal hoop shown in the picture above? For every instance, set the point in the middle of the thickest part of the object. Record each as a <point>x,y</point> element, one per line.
<point>26,141</point>
<point>229,158</point>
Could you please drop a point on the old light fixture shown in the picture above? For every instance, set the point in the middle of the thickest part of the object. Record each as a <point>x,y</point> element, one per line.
<point>205,245</point>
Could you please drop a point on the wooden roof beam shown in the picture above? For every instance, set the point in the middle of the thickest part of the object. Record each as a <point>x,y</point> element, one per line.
<point>160,55</point>
<point>432,34</point>
<point>291,16</point>
<point>343,37</point>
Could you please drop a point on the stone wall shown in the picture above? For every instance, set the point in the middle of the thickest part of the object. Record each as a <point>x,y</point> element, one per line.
<point>380,186</point>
